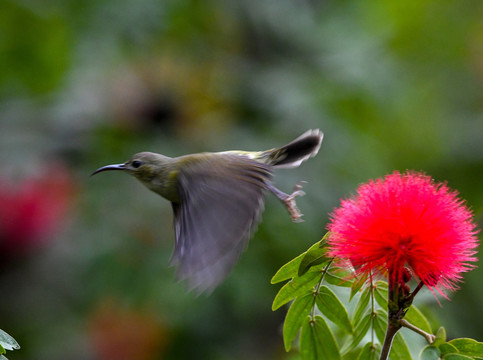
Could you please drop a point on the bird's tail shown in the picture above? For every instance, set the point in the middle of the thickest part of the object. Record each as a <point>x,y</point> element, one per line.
<point>294,153</point>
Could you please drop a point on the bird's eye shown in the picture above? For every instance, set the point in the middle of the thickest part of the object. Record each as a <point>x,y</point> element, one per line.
<point>136,163</point>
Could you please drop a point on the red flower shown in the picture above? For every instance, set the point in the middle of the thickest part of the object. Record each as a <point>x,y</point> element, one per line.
<point>33,209</point>
<point>406,220</point>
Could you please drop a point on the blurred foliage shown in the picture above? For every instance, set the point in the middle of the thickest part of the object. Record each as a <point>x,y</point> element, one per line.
<point>393,85</point>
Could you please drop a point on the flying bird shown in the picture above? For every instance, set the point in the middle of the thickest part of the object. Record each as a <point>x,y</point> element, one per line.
<point>217,200</point>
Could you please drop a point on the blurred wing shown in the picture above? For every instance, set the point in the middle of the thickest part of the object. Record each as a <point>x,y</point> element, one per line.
<point>221,200</point>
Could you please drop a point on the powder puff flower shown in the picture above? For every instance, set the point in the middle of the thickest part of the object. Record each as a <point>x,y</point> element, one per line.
<point>406,220</point>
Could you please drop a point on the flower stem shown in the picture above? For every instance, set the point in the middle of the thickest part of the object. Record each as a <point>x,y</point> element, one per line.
<point>429,337</point>
<point>416,290</point>
<point>391,331</point>
<point>393,319</point>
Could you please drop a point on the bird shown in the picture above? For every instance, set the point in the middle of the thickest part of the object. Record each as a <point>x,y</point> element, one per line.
<point>217,199</point>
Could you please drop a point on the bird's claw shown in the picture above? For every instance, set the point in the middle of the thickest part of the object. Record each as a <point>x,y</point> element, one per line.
<point>291,205</point>
<point>289,199</point>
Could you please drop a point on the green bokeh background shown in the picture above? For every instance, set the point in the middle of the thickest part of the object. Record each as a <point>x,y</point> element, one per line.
<point>394,85</point>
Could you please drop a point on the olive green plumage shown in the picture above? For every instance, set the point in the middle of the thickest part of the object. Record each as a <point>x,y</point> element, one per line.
<point>217,199</point>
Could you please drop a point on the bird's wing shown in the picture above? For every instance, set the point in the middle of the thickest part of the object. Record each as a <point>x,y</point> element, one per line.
<point>221,200</point>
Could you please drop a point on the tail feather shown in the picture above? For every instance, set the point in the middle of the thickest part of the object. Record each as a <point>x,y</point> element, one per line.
<point>294,153</point>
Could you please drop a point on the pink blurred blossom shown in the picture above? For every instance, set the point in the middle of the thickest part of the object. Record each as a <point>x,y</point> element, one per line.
<point>33,209</point>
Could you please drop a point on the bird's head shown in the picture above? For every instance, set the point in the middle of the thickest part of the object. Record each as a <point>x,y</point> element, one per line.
<point>144,166</point>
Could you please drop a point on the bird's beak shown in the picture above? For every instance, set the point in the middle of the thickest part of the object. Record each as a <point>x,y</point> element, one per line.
<point>110,167</point>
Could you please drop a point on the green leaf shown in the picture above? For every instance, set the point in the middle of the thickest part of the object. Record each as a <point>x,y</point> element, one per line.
<point>361,305</point>
<point>380,293</point>
<point>457,357</point>
<point>296,287</point>
<point>399,348</point>
<point>467,346</point>
<point>287,271</point>
<point>338,280</point>
<point>308,342</point>
<point>357,284</point>
<point>447,348</point>
<point>2,350</point>
<point>330,305</point>
<point>382,285</point>
<point>8,342</point>
<point>416,317</point>
<point>292,268</point>
<point>380,324</point>
<point>370,351</point>
<point>361,330</point>
<point>296,315</point>
<point>317,341</point>
<point>315,255</point>
<point>430,352</point>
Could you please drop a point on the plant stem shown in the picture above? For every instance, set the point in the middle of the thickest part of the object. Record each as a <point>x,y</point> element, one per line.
<point>391,331</point>
<point>399,302</point>
<point>317,287</point>
<point>394,314</point>
<point>429,337</point>
<point>416,290</point>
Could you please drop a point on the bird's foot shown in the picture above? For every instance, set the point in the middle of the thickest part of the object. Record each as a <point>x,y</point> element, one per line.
<point>289,200</point>
<point>291,205</point>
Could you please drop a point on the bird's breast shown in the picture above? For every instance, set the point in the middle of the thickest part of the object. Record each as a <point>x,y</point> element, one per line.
<point>164,183</point>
